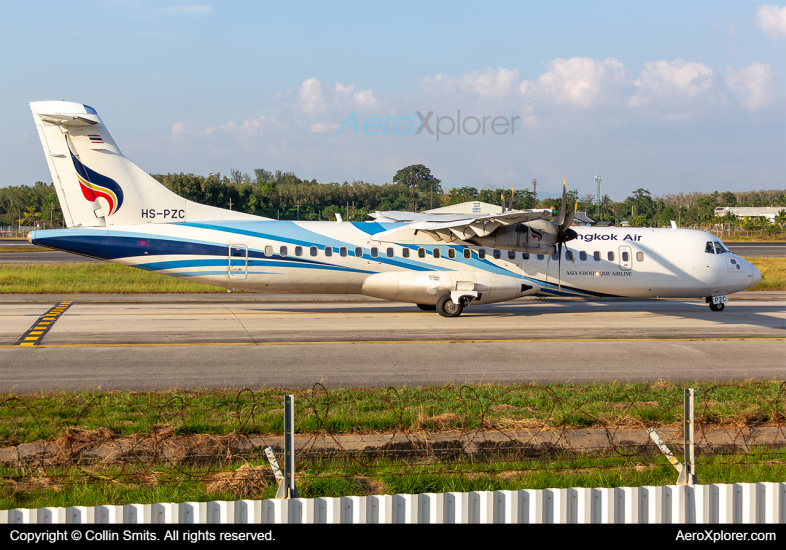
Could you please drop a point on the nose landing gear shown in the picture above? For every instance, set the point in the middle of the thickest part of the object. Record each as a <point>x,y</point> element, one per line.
<point>717,303</point>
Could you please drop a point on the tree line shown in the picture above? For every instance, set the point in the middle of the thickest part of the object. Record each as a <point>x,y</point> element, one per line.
<point>285,196</point>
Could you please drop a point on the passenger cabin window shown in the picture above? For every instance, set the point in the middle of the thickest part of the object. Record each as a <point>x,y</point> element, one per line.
<point>436,253</point>
<point>374,252</point>
<point>596,256</point>
<point>583,256</point>
<point>313,250</point>
<point>328,251</point>
<point>541,256</point>
<point>389,252</point>
<point>555,256</point>
<point>268,251</point>
<point>451,253</point>
<point>282,251</point>
<point>625,257</point>
<point>611,256</point>
<point>298,251</point>
<point>525,256</point>
<point>343,251</point>
<point>511,255</point>
<point>709,249</point>
<point>405,252</point>
<point>569,255</point>
<point>358,252</point>
<point>421,252</point>
<point>496,254</point>
<point>467,253</point>
<point>482,253</point>
<point>639,256</point>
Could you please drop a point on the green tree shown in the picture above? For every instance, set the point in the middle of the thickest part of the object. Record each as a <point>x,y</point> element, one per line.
<point>419,179</point>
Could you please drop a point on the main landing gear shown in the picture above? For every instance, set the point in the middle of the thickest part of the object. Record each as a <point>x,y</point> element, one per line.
<point>717,307</point>
<point>447,308</point>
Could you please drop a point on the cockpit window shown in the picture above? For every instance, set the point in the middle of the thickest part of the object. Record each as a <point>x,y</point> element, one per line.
<point>90,109</point>
<point>709,249</point>
<point>720,249</point>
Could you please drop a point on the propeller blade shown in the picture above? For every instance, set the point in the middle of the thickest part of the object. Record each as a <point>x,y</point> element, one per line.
<point>502,201</point>
<point>510,204</point>
<point>569,220</point>
<point>559,265</point>
<point>564,202</point>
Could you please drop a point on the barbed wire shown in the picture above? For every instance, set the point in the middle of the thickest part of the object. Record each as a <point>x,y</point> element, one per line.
<point>110,437</point>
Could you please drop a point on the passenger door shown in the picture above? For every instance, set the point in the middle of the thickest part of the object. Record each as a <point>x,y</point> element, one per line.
<point>238,261</point>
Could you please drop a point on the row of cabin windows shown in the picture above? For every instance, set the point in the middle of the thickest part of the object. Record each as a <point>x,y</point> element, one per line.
<point>436,252</point>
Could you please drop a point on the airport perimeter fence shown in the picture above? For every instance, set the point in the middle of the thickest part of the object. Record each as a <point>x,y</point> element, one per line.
<point>379,439</point>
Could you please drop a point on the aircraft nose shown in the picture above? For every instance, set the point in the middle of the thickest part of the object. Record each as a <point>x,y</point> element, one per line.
<point>755,275</point>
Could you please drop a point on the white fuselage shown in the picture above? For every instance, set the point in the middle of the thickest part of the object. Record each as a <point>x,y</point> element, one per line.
<point>303,257</point>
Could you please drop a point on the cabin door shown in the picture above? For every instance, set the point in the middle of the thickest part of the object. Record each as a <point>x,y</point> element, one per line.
<point>238,261</point>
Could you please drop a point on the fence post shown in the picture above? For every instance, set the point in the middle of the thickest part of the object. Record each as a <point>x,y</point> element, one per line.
<point>287,488</point>
<point>688,474</point>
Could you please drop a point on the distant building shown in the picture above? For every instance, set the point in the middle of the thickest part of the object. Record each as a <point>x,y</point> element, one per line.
<point>471,207</point>
<point>582,219</point>
<point>745,212</point>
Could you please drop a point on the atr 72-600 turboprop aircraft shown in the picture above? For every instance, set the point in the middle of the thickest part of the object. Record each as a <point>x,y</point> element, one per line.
<point>116,212</point>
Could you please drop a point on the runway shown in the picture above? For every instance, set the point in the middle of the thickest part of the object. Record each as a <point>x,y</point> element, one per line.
<point>234,343</point>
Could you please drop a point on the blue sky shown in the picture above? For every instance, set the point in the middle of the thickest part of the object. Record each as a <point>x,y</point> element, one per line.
<point>668,96</point>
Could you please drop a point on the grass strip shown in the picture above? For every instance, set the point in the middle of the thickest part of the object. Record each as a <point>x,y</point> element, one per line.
<point>73,422</point>
<point>107,278</point>
<point>47,416</point>
<point>254,480</point>
<point>93,278</point>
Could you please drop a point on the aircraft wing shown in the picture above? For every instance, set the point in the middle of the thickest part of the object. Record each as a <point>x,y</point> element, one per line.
<point>452,227</point>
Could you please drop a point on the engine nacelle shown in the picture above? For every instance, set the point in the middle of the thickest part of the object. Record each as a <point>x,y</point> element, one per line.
<point>426,287</point>
<point>537,237</point>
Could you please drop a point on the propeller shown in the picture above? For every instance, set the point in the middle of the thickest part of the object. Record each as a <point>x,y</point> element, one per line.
<point>564,232</point>
<point>510,203</point>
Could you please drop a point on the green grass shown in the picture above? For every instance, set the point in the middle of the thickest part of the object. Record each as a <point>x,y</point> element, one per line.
<point>320,479</point>
<point>92,278</point>
<point>146,478</point>
<point>773,273</point>
<point>37,417</point>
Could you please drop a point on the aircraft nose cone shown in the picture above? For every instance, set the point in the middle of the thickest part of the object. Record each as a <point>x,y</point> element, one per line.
<point>755,275</point>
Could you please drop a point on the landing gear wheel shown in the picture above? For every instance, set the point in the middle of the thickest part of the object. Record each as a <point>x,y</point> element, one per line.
<point>447,308</point>
<point>427,307</point>
<point>717,307</point>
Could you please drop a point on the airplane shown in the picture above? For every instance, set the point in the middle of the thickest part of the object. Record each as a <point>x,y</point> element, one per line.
<point>116,212</point>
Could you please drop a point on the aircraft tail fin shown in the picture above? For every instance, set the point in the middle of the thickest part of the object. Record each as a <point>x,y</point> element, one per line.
<point>97,186</point>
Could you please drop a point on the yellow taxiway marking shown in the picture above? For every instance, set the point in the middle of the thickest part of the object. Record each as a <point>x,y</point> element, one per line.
<point>357,342</point>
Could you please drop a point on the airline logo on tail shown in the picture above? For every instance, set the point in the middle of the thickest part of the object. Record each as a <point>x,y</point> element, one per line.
<point>96,185</point>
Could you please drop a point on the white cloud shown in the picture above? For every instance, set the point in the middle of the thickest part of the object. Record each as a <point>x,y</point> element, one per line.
<point>772,19</point>
<point>322,127</point>
<point>179,128</point>
<point>341,89</point>
<point>365,98</point>
<point>578,81</point>
<point>756,85</point>
<point>671,83</point>
<point>311,99</point>
<point>494,83</point>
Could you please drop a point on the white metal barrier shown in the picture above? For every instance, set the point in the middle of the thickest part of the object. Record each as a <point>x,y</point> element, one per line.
<point>730,503</point>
